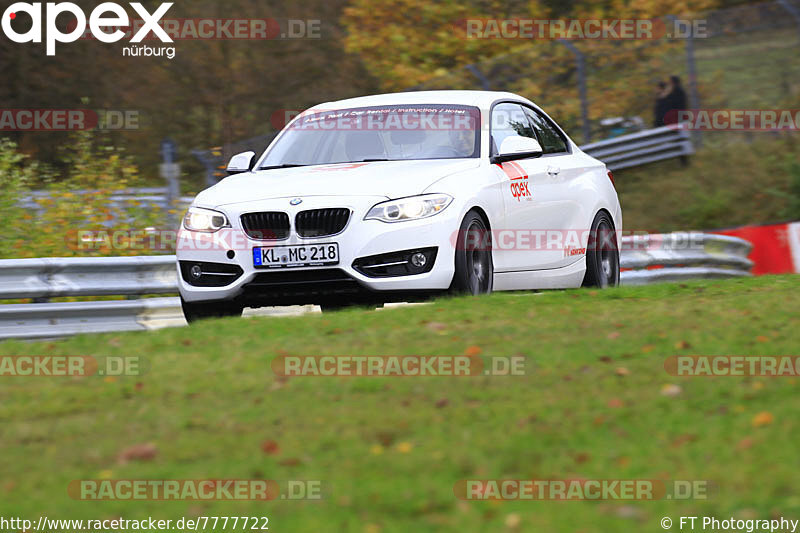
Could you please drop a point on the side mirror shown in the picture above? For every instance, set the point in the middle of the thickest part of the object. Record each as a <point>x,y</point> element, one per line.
<point>241,163</point>
<point>517,147</point>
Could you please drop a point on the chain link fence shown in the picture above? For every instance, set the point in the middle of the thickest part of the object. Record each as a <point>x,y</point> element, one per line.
<point>746,57</point>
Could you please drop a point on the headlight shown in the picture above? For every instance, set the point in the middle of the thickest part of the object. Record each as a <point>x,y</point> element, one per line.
<point>413,208</point>
<point>206,220</point>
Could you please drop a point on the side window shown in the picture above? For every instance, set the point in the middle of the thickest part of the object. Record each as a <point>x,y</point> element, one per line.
<point>508,119</point>
<point>549,137</point>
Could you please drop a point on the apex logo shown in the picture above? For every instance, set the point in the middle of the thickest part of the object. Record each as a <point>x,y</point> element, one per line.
<point>519,180</point>
<point>106,15</point>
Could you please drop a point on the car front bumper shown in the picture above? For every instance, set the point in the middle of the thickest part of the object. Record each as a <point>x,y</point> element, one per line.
<point>231,248</point>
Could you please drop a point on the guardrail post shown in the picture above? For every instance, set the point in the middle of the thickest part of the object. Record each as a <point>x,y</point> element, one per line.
<point>478,74</point>
<point>694,97</point>
<point>793,11</point>
<point>580,64</point>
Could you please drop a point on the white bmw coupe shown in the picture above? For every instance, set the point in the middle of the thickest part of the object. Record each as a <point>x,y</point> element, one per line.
<point>399,197</point>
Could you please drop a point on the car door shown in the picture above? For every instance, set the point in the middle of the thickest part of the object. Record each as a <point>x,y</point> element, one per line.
<point>528,198</point>
<point>558,194</point>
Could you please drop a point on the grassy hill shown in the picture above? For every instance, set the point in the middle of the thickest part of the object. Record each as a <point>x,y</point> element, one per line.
<point>595,402</point>
<point>729,182</point>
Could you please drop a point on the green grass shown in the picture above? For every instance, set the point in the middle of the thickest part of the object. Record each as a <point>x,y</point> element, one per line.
<point>726,184</point>
<point>388,451</point>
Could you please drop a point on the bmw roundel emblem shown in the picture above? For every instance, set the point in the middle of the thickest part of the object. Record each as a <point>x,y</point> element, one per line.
<point>296,201</point>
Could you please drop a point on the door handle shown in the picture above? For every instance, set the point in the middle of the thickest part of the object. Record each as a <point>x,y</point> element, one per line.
<point>553,171</point>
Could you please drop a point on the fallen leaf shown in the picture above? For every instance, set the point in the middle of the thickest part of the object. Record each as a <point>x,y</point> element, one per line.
<point>647,348</point>
<point>615,403</point>
<point>745,444</point>
<point>290,461</point>
<point>763,418</point>
<point>683,439</point>
<point>436,326</point>
<point>628,511</point>
<point>385,438</point>
<point>682,345</point>
<point>403,447</point>
<point>376,449</point>
<point>270,447</point>
<point>671,390</point>
<point>442,403</point>
<point>613,335</point>
<point>604,359</point>
<point>582,457</point>
<point>762,338</point>
<point>622,371</point>
<point>186,342</point>
<point>512,521</point>
<point>473,351</point>
<point>139,452</point>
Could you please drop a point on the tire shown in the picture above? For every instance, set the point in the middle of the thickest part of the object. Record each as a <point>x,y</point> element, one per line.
<point>474,268</point>
<point>202,310</point>
<point>602,254</point>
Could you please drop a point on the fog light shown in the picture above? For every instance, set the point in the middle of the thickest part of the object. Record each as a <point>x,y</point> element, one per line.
<point>196,272</point>
<point>419,260</point>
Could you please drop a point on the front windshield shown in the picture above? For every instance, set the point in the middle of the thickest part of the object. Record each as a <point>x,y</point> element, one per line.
<point>384,133</point>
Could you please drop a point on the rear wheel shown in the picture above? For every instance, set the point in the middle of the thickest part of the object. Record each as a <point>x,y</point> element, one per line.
<point>474,267</point>
<point>602,254</point>
<point>194,311</point>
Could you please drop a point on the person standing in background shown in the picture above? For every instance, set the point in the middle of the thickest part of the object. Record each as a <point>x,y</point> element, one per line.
<point>660,108</point>
<point>675,101</point>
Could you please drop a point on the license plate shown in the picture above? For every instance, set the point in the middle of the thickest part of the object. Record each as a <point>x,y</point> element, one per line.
<point>297,255</point>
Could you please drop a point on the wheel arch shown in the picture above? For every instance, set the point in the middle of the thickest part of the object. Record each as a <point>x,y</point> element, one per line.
<point>478,209</point>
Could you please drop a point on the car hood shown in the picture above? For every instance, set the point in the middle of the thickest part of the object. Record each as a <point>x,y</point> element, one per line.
<point>391,179</point>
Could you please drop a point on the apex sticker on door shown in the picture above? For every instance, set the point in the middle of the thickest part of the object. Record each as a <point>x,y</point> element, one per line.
<point>519,180</point>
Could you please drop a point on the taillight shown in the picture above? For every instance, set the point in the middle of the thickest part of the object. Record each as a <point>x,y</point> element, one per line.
<point>611,177</point>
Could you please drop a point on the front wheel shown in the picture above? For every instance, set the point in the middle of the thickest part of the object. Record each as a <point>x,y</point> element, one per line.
<point>194,311</point>
<point>474,267</point>
<point>602,254</point>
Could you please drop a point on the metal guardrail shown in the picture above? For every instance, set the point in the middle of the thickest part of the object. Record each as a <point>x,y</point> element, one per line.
<point>644,260</point>
<point>150,196</point>
<point>641,148</point>
<point>683,256</point>
<point>46,321</point>
<point>90,276</point>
